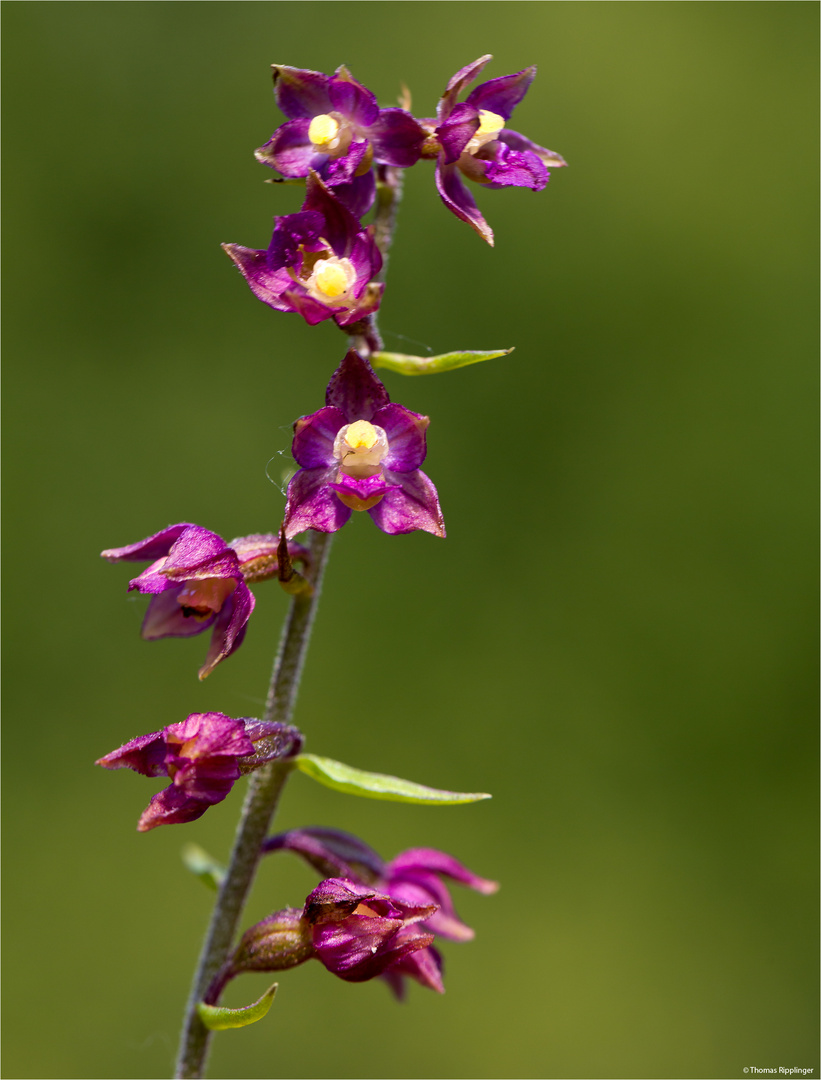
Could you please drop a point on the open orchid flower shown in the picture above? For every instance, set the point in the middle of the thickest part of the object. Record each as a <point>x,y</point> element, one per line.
<point>360,452</point>
<point>197,581</point>
<point>203,756</point>
<point>413,878</point>
<point>472,138</point>
<point>337,129</point>
<point>320,262</point>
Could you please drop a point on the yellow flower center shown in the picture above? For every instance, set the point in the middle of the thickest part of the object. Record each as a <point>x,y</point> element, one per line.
<point>490,124</point>
<point>361,435</point>
<point>331,277</point>
<point>323,132</point>
<point>359,448</point>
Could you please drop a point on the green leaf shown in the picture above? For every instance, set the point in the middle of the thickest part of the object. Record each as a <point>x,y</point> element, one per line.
<point>369,785</point>
<point>217,1018</point>
<point>430,365</point>
<point>207,869</point>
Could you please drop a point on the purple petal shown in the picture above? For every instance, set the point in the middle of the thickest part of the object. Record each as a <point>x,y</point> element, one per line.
<point>215,734</point>
<point>209,781</point>
<point>424,965</point>
<point>312,504</point>
<point>501,96</point>
<point>290,232</point>
<point>462,78</point>
<point>426,888</point>
<point>519,142</point>
<point>459,200</point>
<point>300,92</point>
<point>331,852</point>
<point>416,506</point>
<point>195,549</point>
<point>355,389</point>
<point>516,168</point>
<point>352,99</point>
<point>343,169</point>
<point>341,227</point>
<point>267,285</point>
<point>312,311</point>
<point>171,806</point>
<point>229,627</point>
<point>406,437</point>
<point>439,862</point>
<point>457,131</point>
<point>366,260</point>
<point>165,617</point>
<point>396,138</point>
<point>152,579</point>
<point>358,195</point>
<point>314,435</point>
<point>290,151</point>
<point>150,549</point>
<point>145,755</point>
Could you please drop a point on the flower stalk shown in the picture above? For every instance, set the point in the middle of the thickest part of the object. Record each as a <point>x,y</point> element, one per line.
<point>264,790</point>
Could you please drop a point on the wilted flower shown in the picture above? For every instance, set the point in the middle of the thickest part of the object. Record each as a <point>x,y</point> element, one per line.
<point>198,581</point>
<point>320,262</point>
<point>472,138</point>
<point>413,878</point>
<point>336,127</point>
<point>203,756</point>
<point>360,452</point>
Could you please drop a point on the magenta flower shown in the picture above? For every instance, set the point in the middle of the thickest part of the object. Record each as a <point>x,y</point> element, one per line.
<point>320,262</point>
<point>336,128</point>
<point>197,581</point>
<point>472,138</point>
<point>203,756</point>
<point>360,452</point>
<point>357,932</point>
<point>412,878</point>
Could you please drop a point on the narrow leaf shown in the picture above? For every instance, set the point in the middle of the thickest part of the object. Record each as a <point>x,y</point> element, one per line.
<point>334,774</point>
<point>217,1018</point>
<point>430,365</point>
<point>199,862</point>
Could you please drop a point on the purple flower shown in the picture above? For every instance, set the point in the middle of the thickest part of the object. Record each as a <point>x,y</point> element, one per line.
<point>357,932</point>
<point>413,878</point>
<point>197,581</point>
<point>360,452</point>
<point>320,262</point>
<point>472,138</point>
<point>203,756</point>
<point>336,128</point>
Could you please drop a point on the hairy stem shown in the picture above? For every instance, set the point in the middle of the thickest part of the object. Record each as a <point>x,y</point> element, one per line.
<point>264,789</point>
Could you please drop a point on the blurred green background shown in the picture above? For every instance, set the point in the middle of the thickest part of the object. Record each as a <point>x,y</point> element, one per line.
<point>617,638</point>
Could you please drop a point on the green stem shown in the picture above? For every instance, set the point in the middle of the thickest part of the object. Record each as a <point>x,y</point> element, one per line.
<point>264,789</point>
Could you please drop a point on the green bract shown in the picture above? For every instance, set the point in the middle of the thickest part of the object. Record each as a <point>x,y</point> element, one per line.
<point>340,777</point>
